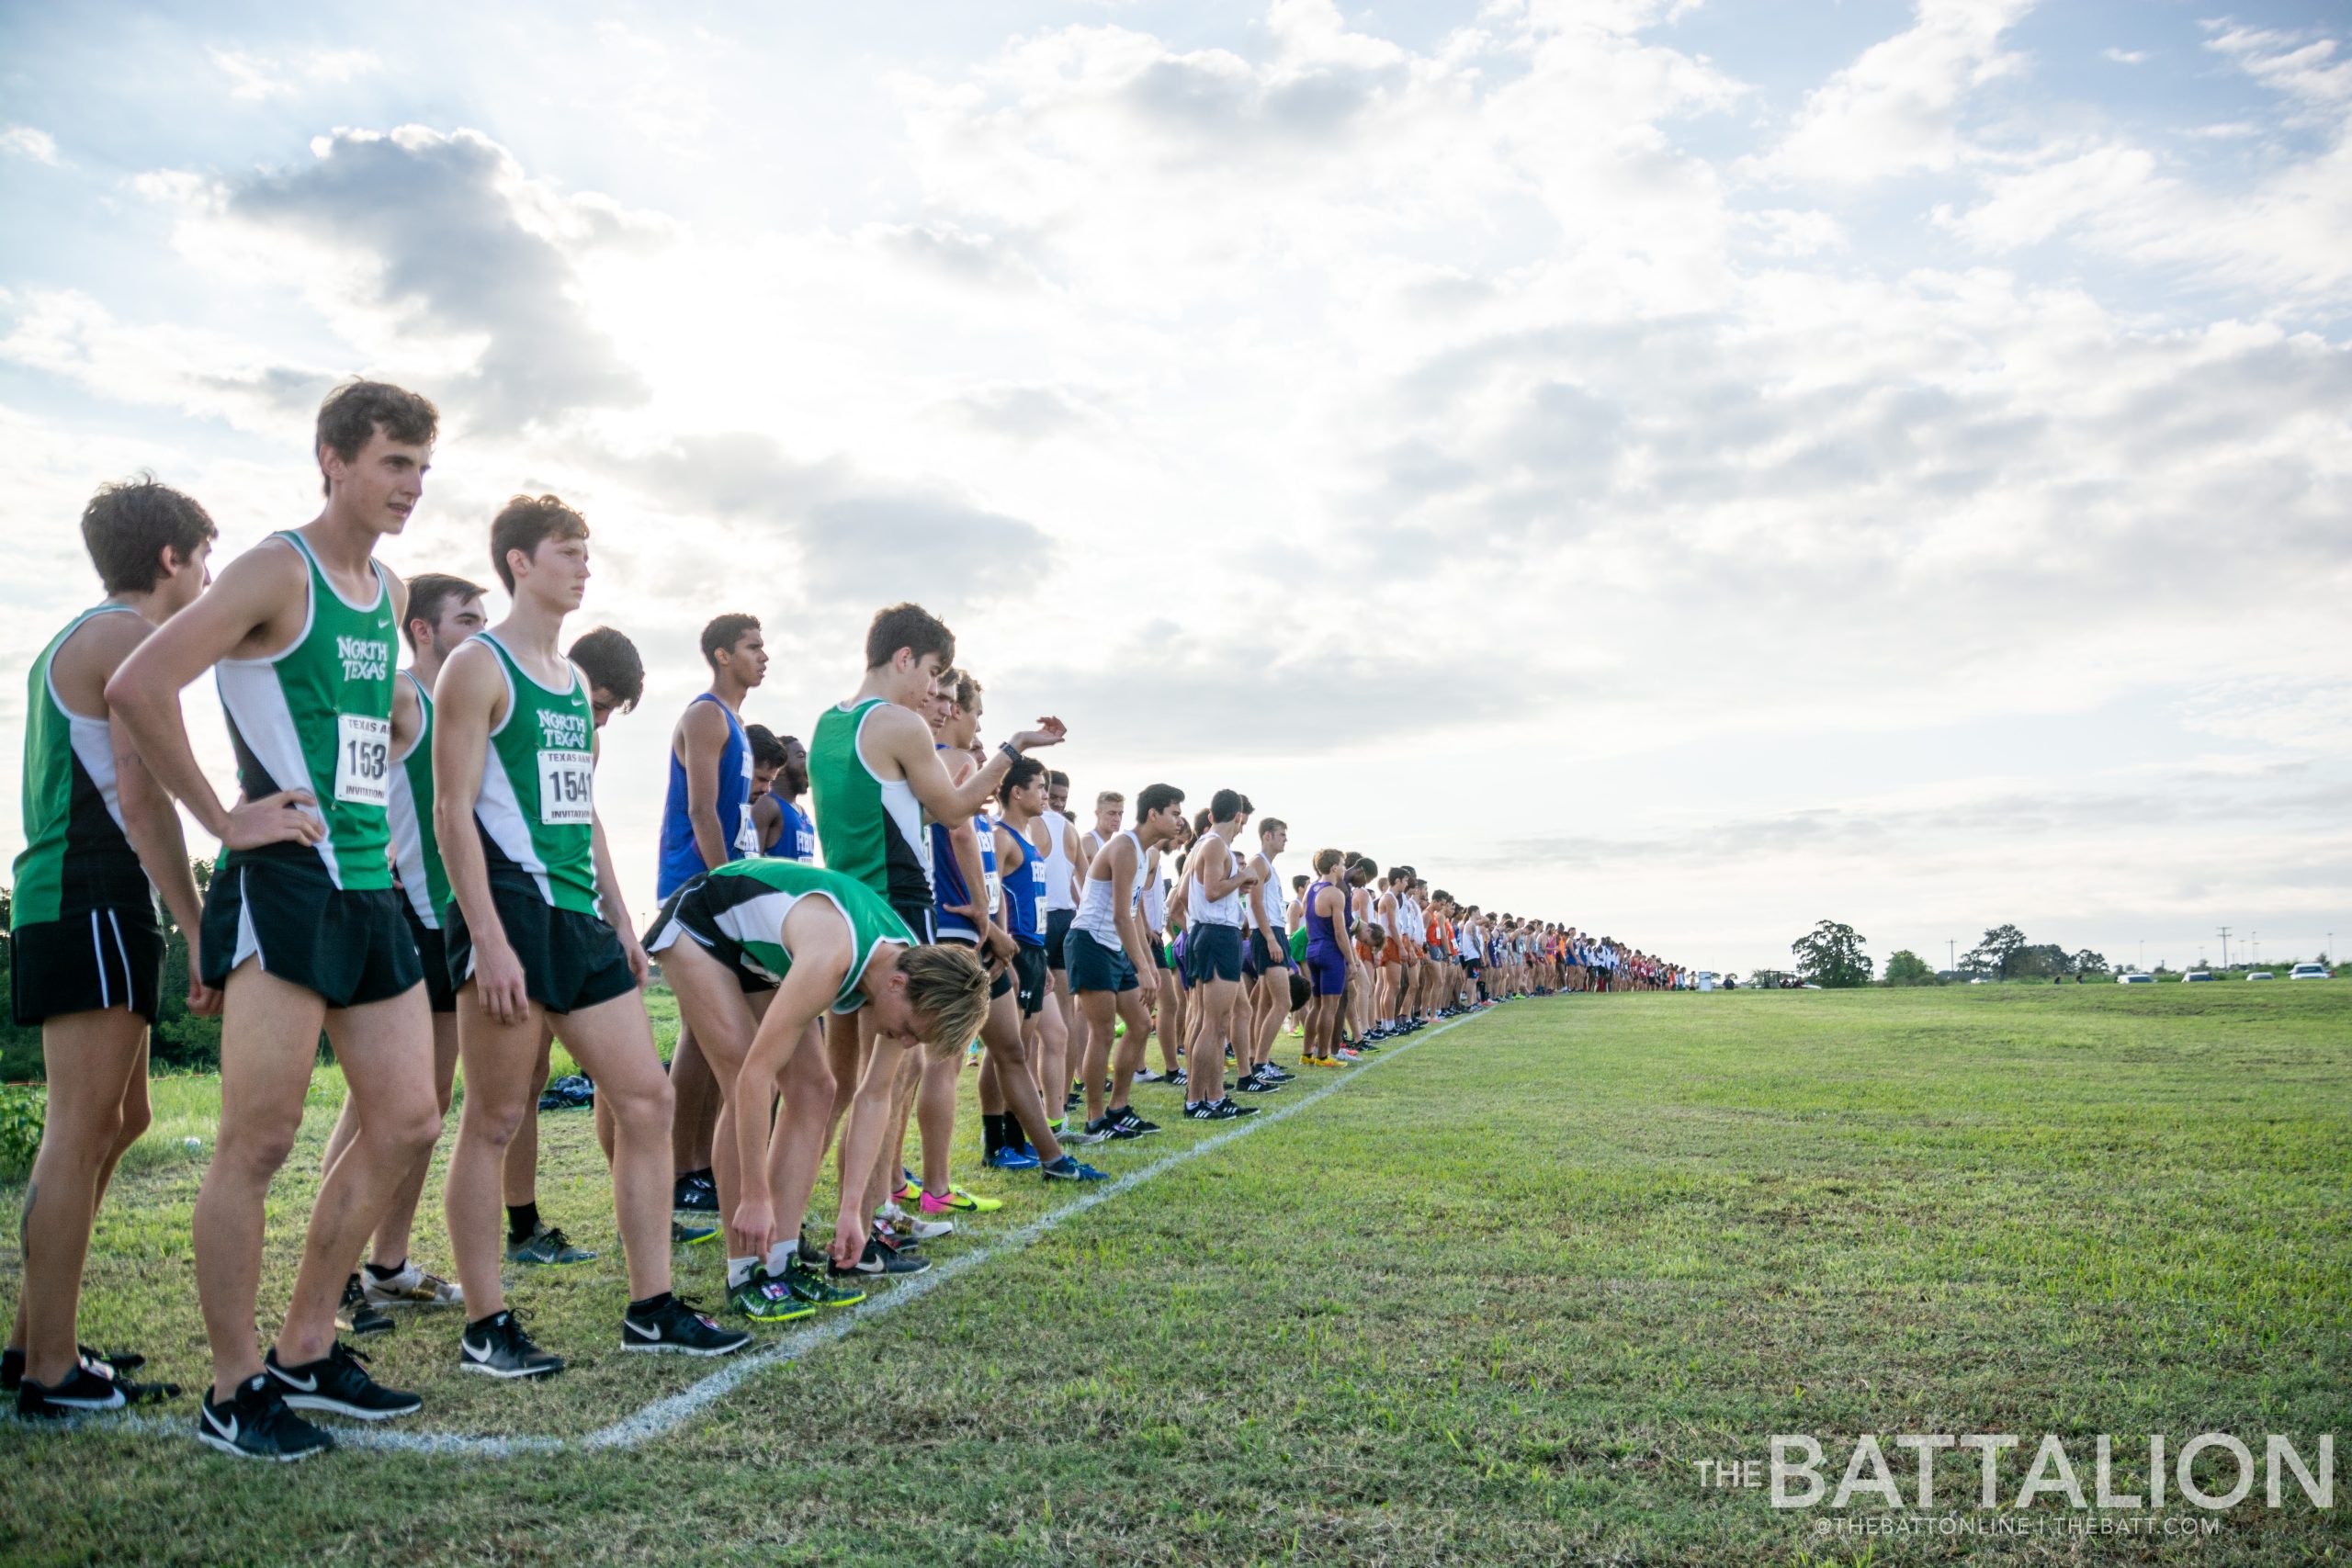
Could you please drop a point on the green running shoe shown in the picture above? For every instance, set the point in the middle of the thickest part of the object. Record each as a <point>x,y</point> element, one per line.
<point>810,1285</point>
<point>684,1234</point>
<point>547,1246</point>
<point>766,1299</point>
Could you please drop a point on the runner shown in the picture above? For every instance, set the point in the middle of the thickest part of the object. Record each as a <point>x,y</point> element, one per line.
<point>615,684</point>
<point>86,955</point>
<point>874,771</point>
<point>783,827</point>
<point>1022,794</point>
<point>1063,868</point>
<point>300,925</point>
<point>443,612</point>
<point>1106,954</point>
<point>705,822</point>
<point>538,934</point>
<point>1330,960</point>
<point>1266,962</point>
<point>1215,884</point>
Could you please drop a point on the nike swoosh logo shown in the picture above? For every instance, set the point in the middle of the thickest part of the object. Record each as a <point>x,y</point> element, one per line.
<point>227,1432</point>
<point>298,1385</point>
<point>484,1354</point>
<point>652,1335</point>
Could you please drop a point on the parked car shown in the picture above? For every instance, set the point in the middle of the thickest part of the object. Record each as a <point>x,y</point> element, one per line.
<point>2195,975</point>
<point>2308,971</point>
<point>2262,975</point>
<point>2136,979</point>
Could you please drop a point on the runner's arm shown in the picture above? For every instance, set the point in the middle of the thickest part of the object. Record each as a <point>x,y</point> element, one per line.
<point>702,740</point>
<point>869,1112</point>
<point>808,991</point>
<point>767,820</point>
<point>1259,892</point>
<point>468,695</point>
<point>1077,868</point>
<point>906,741</point>
<point>1122,851</point>
<point>150,820</point>
<point>143,696</point>
<point>1218,881</point>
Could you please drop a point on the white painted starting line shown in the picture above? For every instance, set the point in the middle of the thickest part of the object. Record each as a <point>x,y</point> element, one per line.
<point>667,1413</point>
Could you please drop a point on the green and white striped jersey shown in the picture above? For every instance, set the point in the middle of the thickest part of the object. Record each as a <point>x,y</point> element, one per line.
<point>319,717</point>
<point>416,852</point>
<point>75,857</point>
<point>748,900</point>
<point>537,807</point>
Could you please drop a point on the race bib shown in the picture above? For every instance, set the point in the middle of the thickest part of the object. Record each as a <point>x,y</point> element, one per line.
<point>567,789</point>
<point>363,759</point>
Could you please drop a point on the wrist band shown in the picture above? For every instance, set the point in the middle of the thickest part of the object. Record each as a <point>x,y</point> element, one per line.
<point>1010,750</point>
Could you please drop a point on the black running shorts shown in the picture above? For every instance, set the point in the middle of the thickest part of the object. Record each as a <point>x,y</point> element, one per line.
<point>1096,966</point>
<point>351,947</point>
<point>432,954</point>
<point>570,961</point>
<point>921,920</point>
<point>1212,953</point>
<point>1029,977</point>
<point>1057,937</point>
<point>111,957</point>
<point>684,914</point>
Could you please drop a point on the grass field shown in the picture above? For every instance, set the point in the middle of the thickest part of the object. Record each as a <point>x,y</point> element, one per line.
<point>1488,1301</point>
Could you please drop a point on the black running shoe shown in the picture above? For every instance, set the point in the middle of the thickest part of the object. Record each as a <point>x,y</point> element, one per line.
<point>695,1194</point>
<point>12,1364</point>
<point>256,1423</point>
<point>1107,1129</point>
<point>881,1258</point>
<point>675,1327</point>
<point>84,1389</point>
<point>357,1315</point>
<point>1256,1086</point>
<point>498,1347</point>
<point>338,1382</point>
<point>1134,1126</point>
<point>1212,1110</point>
<point>1176,1078</point>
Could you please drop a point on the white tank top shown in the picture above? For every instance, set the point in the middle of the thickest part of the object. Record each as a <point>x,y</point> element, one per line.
<point>1271,895</point>
<point>1155,903</point>
<point>1097,916</point>
<point>1198,905</point>
<point>1059,870</point>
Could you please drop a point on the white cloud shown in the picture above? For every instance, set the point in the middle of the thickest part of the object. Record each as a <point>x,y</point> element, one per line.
<point>1897,109</point>
<point>24,142</point>
<point>257,77</point>
<point>2127,56</point>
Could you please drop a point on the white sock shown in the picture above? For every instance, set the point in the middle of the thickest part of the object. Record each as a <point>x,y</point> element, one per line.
<point>781,1254</point>
<point>740,1270</point>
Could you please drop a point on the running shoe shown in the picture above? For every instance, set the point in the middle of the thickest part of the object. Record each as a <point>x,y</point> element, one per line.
<point>12,1363</point>
<point>1072,1100</point>
<point>1010,1158</point>
<point>1279,1074</point>
<point>1176,1079</point>
<point>498,1347</point>
<point>912,1229</point>
<point>1069,1168</point>
<point>675,1327</point>
<point>763,1298</point>
<point>1212,1110</point>
<point>338,1382</point>
<point>684,1234</point>
<point>1107,1129</point>
<point>256,1423</point>
<point>881,1259</point>
<point>354,1315</point>
<point>411,1286</point>
<point>959,1202</point>
<point>1149,1076</point>
<point>1137,1126</point>
<point>1253,1085</point>
<point>694,1193</point>
<point>84,1389</point>
<point>807,1282</point>
<point>547,1246</point>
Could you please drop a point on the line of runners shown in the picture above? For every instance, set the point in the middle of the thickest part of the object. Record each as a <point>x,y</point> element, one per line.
<point>413,864</point>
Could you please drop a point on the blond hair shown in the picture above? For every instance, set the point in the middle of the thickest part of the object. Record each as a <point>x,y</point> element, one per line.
<point>949,993</point>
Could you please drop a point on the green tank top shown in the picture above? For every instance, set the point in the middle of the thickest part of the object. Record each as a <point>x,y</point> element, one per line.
<point>416,853</point>
<point>537,810</point>
<point>75,857</point>
<point>748,900</point>
<point>319,717</point>
<point>870,829</point>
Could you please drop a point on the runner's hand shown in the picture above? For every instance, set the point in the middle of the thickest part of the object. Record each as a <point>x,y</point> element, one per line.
<point>498,981</point>
<point>202,1000</point>
<point>750,1230</point>
<point>1003,946</point>
<point>273,820</point>
<point>1049,732</point>
<point>849,1238</point>
<point>640,966</point>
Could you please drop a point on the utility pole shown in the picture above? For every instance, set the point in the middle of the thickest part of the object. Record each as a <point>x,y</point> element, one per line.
<point>2225,947</point>
<point>2143,955</point>
<point>2257,937</point>
<point>1952,945</point>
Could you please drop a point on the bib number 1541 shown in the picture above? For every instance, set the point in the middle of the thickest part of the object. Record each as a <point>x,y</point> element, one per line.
<point>567,789</point>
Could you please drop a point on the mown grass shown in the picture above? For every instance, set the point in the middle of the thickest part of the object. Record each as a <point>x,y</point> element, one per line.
<point>1491,1302</point>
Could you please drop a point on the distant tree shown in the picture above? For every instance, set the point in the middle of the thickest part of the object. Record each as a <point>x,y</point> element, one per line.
<point>2039,961</point>
<point>1908,968</point>
<point>1831,957</point>
<point>1996,954</point>
<point>2089,963</point>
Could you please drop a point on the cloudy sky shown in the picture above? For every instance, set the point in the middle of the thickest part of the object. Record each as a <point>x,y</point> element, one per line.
<point>1660,466</point>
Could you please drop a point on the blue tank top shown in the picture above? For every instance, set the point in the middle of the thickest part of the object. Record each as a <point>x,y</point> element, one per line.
<point>795,837</point>
<point>680,857</point>
<point>1024,895</point>
<point>1318,927</point>
<point>948,878</point>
